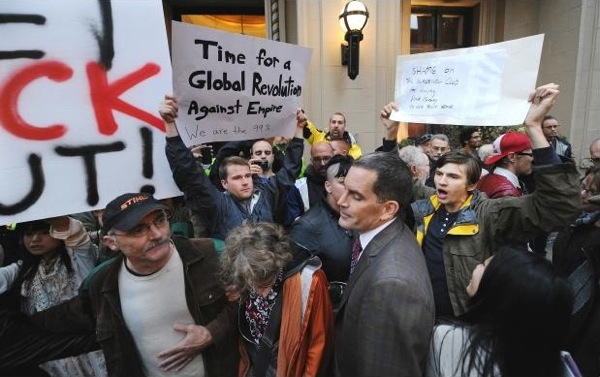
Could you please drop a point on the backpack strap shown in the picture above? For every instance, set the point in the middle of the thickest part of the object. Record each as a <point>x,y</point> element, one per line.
<point>269,338</point>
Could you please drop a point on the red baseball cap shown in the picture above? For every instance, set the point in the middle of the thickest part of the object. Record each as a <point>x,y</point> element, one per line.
<point>510,142</point>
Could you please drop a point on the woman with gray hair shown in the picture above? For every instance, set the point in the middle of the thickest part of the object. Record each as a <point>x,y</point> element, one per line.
<point>285,316</point>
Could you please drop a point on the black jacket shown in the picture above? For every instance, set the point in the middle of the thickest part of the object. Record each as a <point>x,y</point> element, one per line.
<point>319,232</point>
<point>316,186</point>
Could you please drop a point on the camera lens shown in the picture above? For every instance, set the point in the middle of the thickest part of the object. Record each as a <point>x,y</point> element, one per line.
<point>264,164</point>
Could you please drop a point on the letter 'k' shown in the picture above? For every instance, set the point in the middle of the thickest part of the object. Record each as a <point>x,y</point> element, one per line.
<point>105,96</point>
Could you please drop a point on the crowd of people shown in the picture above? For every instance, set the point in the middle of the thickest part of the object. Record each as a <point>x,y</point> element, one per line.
<point>415,261</point>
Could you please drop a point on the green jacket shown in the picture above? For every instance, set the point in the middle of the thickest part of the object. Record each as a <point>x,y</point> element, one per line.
<point>483,225</point>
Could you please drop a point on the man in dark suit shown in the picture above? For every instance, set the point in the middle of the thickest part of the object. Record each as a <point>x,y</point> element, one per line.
<point>387,312</point>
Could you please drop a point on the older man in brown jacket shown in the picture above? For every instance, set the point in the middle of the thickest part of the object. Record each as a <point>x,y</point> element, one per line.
<point>158,307</point>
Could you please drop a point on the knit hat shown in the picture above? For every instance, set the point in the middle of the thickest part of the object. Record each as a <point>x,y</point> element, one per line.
<point>424,139</point>
<point>126,211</point>
<point>510,142</point>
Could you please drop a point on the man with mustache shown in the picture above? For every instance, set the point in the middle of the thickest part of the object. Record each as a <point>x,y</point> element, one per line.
<point>158,307</point>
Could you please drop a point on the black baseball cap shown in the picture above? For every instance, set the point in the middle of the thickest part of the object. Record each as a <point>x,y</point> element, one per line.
<point>126,211</point>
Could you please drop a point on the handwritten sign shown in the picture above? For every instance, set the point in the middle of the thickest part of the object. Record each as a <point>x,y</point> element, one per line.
<point>486,85</point>
<point>235,87</point>
<point>80,86</point>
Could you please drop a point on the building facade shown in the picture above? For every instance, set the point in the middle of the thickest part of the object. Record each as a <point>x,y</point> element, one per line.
<point>570,57</point>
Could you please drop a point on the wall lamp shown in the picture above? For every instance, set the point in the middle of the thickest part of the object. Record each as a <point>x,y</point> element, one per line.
<point>353,19</point>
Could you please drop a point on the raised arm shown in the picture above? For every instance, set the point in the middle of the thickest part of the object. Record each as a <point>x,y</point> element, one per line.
<point>292,162</point>
<point>556,200</point>
<point>168,112</point>
<point>542,100</point>
<point>310,132</point>
<point>69,230</point>
<point>390,141</point>
<point>201,195</point>
<point>391,126</point>
<point>82,251</point>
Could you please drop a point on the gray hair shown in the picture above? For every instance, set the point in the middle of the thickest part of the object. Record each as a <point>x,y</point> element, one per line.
<point>411,155</point>
<point>485,151</point>
<point>253,254</point>
<point>441,137</point>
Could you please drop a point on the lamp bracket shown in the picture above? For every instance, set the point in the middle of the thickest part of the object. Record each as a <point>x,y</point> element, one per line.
<point>345,51</point>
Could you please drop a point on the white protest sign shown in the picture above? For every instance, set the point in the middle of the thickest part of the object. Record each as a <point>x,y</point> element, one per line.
<point>235,87</point>
<point>485,86</point>
<point>80,87</point>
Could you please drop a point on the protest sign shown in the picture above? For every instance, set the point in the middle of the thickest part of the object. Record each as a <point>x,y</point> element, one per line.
<point>235,87</point>
<point>80,87</point>
<point>485,86</point>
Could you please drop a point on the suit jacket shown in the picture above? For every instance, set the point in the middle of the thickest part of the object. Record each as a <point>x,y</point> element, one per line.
<point>386,316</point>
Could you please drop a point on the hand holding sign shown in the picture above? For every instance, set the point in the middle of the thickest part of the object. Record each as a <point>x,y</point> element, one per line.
<point>391,126</point>
<point>168,109</point>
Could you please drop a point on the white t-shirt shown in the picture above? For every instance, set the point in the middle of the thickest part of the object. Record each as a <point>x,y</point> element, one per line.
<point>151,305</point>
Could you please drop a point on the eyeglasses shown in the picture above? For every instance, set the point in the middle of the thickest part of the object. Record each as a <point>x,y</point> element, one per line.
<point>142,229</point>
<point>525,154</point>
<point>322,160</point>
<point>593,160</point>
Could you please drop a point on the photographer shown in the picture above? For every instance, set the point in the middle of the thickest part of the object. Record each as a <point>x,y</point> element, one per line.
<point>289,203</point>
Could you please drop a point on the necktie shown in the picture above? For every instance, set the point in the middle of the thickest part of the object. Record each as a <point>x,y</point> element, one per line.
<point>356,250</point>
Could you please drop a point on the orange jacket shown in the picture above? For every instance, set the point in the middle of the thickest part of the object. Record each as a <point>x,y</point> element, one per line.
<point>305,336</point>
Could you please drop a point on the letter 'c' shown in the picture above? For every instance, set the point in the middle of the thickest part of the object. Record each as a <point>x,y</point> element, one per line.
<point>9,97</point>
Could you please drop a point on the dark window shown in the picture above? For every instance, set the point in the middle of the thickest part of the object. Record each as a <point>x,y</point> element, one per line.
<point>236,16</point>
<point>440,28</point>
<point>434,29</point>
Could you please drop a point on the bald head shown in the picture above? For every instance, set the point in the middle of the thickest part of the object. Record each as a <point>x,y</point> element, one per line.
<point>320,154</point>
<point>595,151</point>
<point>340,146</point>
